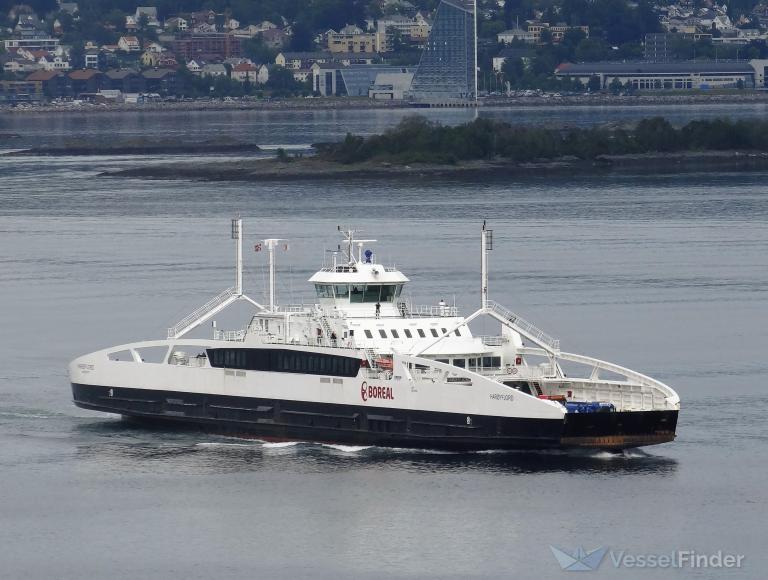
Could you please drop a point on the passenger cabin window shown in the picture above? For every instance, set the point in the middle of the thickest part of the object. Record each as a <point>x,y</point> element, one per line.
<point>443,360</point>
<point>407,333</point>
<point>382,333</point>
<point>421,333</point>
<point>491,361</point>
<point>375,292</point>
<point>283,361</point>
<point>368,333</point>
<point>394,333</point>
<point>434,332</point>
<point>459,362</point>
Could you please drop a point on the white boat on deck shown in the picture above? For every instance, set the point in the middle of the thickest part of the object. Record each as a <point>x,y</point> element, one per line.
<point>363,366</point>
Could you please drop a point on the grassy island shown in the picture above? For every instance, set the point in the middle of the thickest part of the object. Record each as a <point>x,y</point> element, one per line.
<point>417,140</point>
<point>483,149</point>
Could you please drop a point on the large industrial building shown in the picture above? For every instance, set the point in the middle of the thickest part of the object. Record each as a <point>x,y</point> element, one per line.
<point>656,76</point>
<point>447,71</point>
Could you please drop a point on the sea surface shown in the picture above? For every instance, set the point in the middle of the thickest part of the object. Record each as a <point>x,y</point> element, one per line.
<point>665,274</point>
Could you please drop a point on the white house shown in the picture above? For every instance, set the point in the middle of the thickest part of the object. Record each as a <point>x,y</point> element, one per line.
<point>129,44</point>
<point>194,66</point>
<point>177,23</point>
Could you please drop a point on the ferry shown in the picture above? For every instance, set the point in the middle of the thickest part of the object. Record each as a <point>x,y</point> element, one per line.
<point>363,366</point>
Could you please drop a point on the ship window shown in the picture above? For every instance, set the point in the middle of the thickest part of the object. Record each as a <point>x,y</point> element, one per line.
<point>383,333</point>
<point>398,290</point>
<point>421,333</point>
<point>456,332</point>
<point>394,333</point>
<point>341,290</point>
<point>368,333</point>
<point>387,293</point>
<point>372,293</point>
<point>433,331</point>
<point>459,362</point>
<point>491,361</point>
<point>324,290</point>
<point>408,333</point>
<point>286,361</point>
<point>472,363</point>
<point>443,330</point>
<point>442,360</point>
<point>356,292</point>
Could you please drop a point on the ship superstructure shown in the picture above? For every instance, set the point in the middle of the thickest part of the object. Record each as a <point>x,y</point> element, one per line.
<point>362,365</point>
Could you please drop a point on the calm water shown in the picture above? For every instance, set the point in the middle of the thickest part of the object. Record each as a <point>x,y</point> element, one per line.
<point>667,275</point>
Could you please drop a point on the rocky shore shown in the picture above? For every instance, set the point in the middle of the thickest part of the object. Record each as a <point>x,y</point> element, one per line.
<point>318,169</point>
<point>138,147</point>
<point>346,103</point>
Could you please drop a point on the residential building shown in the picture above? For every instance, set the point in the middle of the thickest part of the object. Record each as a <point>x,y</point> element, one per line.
<point>447,70</point>
<point>524,54</point>
<point>415,29</point>
<point>304,60</point>
<point>535,30</point>
<point>126,81</point>
<point>352,39</point>
<point>92,58</point>
<point>162,81</point>
<point>150,13</point>
<point>53,83</point>
<point>667,76</point>
<point>88,81</point>
<point>214,70</point>
<point>248,72</point>
<point>54,63</point>
<point>129,44</point>
<point>177,23</point>
<point>210,46</point>
<point>195,66</point>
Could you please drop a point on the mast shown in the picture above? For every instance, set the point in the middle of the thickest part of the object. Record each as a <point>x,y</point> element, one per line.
<point>475,43</point>
<point>486,245</point>
<point>237,235</point>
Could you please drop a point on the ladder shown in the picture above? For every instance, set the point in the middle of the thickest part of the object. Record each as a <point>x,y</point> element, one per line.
<point>527,329</point>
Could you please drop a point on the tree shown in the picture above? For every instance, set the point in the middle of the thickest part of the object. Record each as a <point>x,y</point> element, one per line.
<point>594,84</point>
<point>302,39</point>
<point>615,86</point>
<point>257,51</point>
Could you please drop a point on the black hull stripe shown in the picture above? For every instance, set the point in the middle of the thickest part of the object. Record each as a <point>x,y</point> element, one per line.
<point>382,426</point>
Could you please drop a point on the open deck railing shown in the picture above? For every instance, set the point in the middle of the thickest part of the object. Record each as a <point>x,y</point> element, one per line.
<point>202,311</point>
<point>526,328</point>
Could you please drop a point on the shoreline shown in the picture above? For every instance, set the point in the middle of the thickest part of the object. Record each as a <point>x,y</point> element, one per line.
<point>317,169</point>
<point>363,103</point>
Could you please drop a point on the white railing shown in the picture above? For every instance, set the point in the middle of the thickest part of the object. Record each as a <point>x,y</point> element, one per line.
<point>525,328</point>
<point>202,311</point>
<point>238,335</point>
<point>493,340</point>
<point>427,310</point>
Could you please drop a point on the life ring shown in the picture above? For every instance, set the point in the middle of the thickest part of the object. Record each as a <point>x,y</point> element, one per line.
<point>514,370</point>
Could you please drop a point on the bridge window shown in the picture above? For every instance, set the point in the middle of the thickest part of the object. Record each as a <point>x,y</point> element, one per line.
<point>408,333</point>
<point>324,290</point>
<point>382,333</point>
<point>341,291</point>
<point>394,333</point>
<point>368,333</point>
<point>434,332</point>
<point>421,333</point>
<point>375,292</point>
